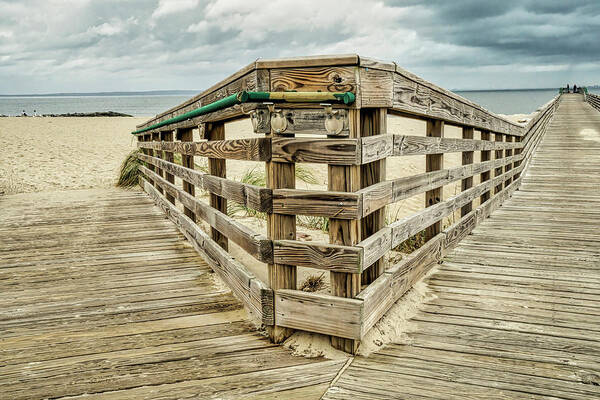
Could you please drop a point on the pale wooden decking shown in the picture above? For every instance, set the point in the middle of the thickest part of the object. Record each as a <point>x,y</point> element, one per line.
<point>517,314</point>
<point>99,294</point>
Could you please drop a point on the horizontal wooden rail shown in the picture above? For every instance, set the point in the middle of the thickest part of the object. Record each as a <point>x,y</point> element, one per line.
<point>255,197</point>
<point>593,100</point>
<point>235,149</point>
<point>252,242</point>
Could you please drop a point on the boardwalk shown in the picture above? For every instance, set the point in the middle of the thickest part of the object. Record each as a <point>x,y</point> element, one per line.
<point>517,312</point>
<point>102,298</point>
<point>101,295</point>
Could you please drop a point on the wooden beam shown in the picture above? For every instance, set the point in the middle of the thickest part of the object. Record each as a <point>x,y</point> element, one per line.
<point>321,313</point>
<point>252,242</point>
<point>498,155</point>
<point>281,175</point>
<point>374,123</point>
<point>345,178</point>
<point>486,155</point>
<point>217,167</point>
<point>340,205</point>
<point>167,136</point>
<point>316,150</point>
<point>318,255</point>
<point>467,159</point>
<point>434,162</point>
<point>405,145</point>
<point>158,154</point>
<point>250,149</point>
<point>187,161</point>
<point>508,153</point>
<point>252,196</point>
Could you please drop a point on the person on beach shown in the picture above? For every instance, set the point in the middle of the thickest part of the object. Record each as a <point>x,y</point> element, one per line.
<point>574,88</point>
<point>24,114</point>
<point>567,88</point>
<point>35,114</point>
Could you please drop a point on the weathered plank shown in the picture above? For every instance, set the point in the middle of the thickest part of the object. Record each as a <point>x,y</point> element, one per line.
<point>434,162</point>
<point>318,255</point>
<point>257,149</point>
<point>307,121</point>
<point>215,131</point>
<point>254,243</point>
<point>315,312</point>
<point>252,196</point>
<point>341,205</point>
<point>415,145</point>
<point>187,161</point>
<point>467,159</point>
<point>315,150</point>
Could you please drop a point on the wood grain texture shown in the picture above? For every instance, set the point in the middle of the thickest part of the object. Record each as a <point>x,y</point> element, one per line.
<point>314,79</point>
<point>316,150</point>
<point>252,196</point>
<point>345,178</point>
<point>330,315</point>
<point>416,145</point>
<point>281,175</point>
<point>486,155</point>
<point>434,162</point>
<point>341,205</point>
<point>217,167</point>
<point>254,243</point>
<point>467,159</point>
<point>167,136</point>
<point>158,154</point>
<point>187,161</point>
<point>318,255</point>
<point>258,149</point>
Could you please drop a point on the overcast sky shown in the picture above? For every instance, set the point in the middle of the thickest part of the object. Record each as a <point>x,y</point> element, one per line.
<point>105,45</point>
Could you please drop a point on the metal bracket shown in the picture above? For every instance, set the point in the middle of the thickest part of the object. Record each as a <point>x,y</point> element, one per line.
<point>278,121</point>
<point>334,121</point>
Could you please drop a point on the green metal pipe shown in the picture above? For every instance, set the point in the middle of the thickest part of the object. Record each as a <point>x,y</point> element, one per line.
<point>254,97</point>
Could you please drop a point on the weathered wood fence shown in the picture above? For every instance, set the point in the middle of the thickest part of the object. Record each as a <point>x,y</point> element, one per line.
<point>353,140</point>
<point>593,100</point>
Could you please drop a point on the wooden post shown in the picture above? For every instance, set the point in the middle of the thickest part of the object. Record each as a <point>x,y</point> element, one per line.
<point>485,176</point>
<point>187,135</point>
<point>217,167</point>
<point>167,136</point>
<point>434,162</point>
<point>279,226</point>
<point>467,158</point>
<point>498,155</point>
<point>149,152</point>
<point>157,154</point>
<point>508,153</point>
<point>345,178</point>
<point>517,152</point>
<point>373,122</point>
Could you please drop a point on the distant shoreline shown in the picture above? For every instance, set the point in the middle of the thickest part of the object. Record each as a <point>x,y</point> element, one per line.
<point>86,115</point>
<point>109,94</point>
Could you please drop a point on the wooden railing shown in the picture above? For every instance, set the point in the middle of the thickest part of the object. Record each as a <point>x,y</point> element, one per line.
<point>593,99</point>
<point>354,142</point>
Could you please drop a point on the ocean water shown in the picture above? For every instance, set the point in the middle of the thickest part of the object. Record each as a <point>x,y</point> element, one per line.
<point>498,101</point>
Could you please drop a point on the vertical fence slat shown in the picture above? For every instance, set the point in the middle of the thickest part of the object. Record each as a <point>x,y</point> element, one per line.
<point>187,135</point>
<point>517,152</point>
<point>157,154</point>
<point>467,158</point>
<point>485,156</point>
<point>217,167</point>
<point>167,136</point>
<point>508,153</point>
<point>434,162</point>
<point>148,152</point>
<point>345,178</point>
<point>279,226</point>
<point>497,156</point>
<point>373,122</point>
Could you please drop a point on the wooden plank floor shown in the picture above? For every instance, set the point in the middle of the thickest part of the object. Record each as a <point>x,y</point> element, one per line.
<point>517,313</point>
<point>101,297</point>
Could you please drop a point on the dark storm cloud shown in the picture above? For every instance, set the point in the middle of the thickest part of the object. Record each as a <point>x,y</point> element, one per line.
<point>86,45</point>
